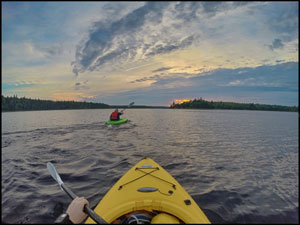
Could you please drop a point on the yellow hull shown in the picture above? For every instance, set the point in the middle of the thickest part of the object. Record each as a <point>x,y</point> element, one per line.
<point>147,186</point>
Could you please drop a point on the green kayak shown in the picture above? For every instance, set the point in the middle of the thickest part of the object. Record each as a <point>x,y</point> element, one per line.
<point>116,122</point>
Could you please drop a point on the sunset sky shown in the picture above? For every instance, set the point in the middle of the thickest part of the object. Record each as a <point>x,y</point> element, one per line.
<point>151,52</point>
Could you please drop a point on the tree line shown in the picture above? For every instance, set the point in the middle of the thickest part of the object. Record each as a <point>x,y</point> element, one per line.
<point>203,104</point>
<point>19,104</point>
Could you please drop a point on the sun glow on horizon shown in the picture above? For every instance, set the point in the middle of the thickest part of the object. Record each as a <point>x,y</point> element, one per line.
<point>179,101</point>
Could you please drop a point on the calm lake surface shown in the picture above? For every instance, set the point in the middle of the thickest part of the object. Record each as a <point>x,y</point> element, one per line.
<point>239,166</point>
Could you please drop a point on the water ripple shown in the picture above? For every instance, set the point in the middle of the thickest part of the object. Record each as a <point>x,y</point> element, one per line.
<point>239,166</point>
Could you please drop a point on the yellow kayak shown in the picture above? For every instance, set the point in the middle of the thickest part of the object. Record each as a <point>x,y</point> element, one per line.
<point>148,193</point>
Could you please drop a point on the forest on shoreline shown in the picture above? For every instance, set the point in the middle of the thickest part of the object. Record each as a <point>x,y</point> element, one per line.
<point>15,103</point>
<point>203,104</point>
<point>23,104</point>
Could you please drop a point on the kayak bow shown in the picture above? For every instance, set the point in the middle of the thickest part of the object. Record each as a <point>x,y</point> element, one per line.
<point>149,187</point>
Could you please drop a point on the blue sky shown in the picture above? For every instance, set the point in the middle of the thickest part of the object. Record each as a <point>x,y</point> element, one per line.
<point>151,52</point>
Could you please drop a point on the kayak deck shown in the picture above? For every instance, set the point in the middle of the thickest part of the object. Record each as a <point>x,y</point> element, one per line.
<point>116,122</point>
<point>147,186</point>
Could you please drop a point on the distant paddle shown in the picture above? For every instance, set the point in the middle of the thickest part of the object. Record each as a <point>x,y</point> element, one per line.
<point>87,210</point>
<point>127,107</point>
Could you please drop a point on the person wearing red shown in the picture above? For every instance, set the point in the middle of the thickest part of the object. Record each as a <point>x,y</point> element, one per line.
<point>115,115</point>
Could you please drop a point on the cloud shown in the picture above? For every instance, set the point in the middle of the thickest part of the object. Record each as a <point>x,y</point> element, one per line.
<point>269,84</point>
<point>7,87</point>
<point>161,69</point>
<point>152,29</point>
<point>81,85</point>
<point>22,53</point>
<point>283,19</point>
<point>28,53</point>
<point>277,44</point>
<point>166,48</point>
<point>52,50</point>
<point>114,40</point>
<point>155,77</point>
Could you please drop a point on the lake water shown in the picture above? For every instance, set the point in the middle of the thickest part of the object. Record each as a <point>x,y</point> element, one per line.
<point>239,166</point>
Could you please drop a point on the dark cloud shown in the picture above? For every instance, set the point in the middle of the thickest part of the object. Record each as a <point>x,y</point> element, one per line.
<point>165,78</point>
<point>155,77</point>
<point>277,44</point>
<point>287,21</point>
<point>279,77</point>
<point>282,18</point>
<point>268,78</point>
<point>161,69</point>
<point>188,11</point>
<point>270,84</point>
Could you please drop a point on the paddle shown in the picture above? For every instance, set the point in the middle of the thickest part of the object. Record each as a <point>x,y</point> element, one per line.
<point>128,106</point>
<point>87,210</point>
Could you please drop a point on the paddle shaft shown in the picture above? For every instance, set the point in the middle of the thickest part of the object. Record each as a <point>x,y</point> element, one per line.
<point>127,106</point>
<point>87,209</point>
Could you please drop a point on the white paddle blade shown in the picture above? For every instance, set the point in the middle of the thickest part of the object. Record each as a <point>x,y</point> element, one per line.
<point>54,174</point>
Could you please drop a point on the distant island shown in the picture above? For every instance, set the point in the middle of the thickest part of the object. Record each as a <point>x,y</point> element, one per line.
<point>15,103</point>
<point>203,104</point>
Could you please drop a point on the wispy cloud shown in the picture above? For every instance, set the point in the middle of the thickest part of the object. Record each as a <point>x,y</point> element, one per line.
<point>81,85</point>
<point>161,69</point>
<point>155,77</point>
<point>152,29</point>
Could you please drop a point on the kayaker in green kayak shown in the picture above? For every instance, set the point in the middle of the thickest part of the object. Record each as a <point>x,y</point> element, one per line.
<point>116,115</point>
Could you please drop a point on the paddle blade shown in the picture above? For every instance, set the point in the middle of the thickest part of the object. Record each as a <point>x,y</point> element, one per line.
<point>54,174</point>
